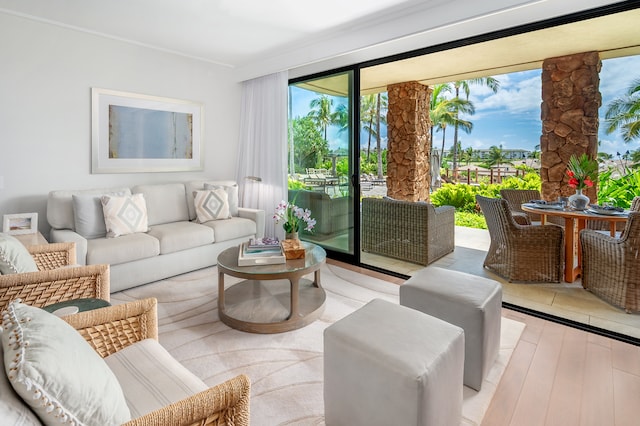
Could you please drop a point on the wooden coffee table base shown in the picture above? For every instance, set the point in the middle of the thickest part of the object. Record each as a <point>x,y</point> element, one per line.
<point>273,306</point>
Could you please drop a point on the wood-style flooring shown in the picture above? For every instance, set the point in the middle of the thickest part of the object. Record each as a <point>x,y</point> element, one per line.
<point>560,375</point>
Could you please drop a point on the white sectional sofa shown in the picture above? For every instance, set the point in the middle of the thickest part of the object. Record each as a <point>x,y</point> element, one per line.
<point>175,241</point>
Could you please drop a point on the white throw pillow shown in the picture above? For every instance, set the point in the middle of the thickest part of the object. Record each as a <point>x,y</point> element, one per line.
<point>212,204</point>
<point>13,410</point>
<point>88,215</point>
<point>56,371</point>
<point>124,215</point>
<point>232,195</point>
<point>14,256</point>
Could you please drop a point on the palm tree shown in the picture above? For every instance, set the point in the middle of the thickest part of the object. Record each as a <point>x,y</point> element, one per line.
<point>445,112</point>
<point>496,156</point>
<point>489,82</point>
<point>368,114</point>
<point>382,102</point>
<point>624,113</point>
<point>321,113</point>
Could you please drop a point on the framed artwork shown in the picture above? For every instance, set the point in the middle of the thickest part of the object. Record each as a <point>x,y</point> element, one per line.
<point>133,133</point>
<point>22,223</point>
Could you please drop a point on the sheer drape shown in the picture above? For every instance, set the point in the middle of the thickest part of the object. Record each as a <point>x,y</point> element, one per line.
<point>262,147</point>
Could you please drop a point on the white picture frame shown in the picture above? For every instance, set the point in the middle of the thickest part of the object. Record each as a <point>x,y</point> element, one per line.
<point>20,224</point>
<point>134,133</point>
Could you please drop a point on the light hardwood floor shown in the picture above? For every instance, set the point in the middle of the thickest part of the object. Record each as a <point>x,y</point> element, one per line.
<point>560,375</point>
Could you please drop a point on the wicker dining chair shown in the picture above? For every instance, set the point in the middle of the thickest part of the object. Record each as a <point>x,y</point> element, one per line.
<point>56,280</point>
<point>611,266</point>
<point>520,252</point>
<point>111,329</point>
<point>516,198</point>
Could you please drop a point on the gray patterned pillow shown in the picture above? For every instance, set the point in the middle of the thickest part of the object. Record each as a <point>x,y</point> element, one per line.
<point>212,204</point>
<point>124,215</point>
<point>232,195</point>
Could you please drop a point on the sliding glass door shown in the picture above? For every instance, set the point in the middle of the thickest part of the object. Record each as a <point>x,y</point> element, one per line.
<point>321,159</point>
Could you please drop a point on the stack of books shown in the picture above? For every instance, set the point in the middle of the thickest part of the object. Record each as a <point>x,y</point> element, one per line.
<point>261,251</point>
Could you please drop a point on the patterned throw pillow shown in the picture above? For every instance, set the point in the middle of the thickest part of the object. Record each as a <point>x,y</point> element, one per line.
<point>56,372</point>
<point>211,205</point>
<point>232,194</point>
<point>124,215</point>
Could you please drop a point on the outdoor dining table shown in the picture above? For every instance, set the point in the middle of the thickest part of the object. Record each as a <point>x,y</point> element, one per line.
<point>574,222</point>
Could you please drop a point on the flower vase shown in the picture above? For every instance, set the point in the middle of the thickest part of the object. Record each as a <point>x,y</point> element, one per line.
<point>579,201</point>
<point>291,236</point>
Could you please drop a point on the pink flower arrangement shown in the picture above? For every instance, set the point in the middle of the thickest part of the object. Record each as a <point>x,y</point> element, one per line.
<point>293,217</point>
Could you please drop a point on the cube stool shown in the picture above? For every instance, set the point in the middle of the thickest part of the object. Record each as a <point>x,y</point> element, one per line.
<point>387,364</point>
<point>468,301</point>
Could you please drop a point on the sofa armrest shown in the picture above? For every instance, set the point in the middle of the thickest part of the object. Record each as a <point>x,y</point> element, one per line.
<point>226,403</point>
<point>52,256</point>
<point>44,288</point>
<point>258,216</point>
<point>115,327</point>
<point>67,235</point>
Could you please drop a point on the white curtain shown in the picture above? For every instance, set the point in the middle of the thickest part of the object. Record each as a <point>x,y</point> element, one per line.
<point>262,148</point>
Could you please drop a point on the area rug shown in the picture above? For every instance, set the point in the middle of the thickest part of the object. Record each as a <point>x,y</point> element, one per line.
<point>286,369</point>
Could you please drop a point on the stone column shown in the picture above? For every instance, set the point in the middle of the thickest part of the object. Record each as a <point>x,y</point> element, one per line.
<point>569,112</point>
<point>409,141</point>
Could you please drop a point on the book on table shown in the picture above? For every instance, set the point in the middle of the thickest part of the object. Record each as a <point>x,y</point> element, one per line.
<point>261,244</point>
<point>264,257</point>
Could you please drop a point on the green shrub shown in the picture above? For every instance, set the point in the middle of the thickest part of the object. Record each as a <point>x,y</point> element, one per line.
<point>620,191</point>
<point>460,196</point>
<point>296,184</point>
<point>471,220</point>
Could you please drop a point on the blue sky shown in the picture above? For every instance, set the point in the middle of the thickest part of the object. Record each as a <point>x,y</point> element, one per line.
<point>511,117</point>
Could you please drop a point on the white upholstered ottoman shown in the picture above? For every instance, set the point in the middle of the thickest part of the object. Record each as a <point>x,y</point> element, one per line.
<point>387,364</point>
<point>468,301</point>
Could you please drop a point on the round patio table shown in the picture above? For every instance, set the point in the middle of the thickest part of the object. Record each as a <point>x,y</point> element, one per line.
<point>576,221</point>
<point>272,298</point>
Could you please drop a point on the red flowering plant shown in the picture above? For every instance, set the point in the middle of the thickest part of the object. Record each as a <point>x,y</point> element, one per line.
<point>582,171</point>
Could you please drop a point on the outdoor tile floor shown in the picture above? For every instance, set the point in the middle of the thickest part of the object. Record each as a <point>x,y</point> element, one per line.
<point>566,300</point>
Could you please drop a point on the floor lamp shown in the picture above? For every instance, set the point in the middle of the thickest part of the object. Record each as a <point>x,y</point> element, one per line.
<point>249,180</point>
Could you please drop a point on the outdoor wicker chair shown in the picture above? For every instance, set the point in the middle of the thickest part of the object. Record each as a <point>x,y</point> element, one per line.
<point>516,198</point>
<point>412,231</point>
<point>521,252</point>
<point>56,280</point>
<point>611,266</point>
<point>111,329</point>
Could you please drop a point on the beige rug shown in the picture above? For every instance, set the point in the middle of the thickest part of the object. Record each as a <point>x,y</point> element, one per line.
<point>285,369</point>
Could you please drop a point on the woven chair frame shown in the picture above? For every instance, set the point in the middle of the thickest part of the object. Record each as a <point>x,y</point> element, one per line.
<point>611,266</point>
<point>410,231</point>
<point>54,255</point>
<point>113,328</point>
<point>521,253</point>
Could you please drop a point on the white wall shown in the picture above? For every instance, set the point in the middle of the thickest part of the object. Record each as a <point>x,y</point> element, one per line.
<point>46,75</point>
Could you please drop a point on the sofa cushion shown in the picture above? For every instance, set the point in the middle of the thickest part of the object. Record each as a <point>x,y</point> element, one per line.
<point>13,410</point>
<point>230,186</point>
<point>236,227</point>
<point>151,378</point>
<point>122,249</point>
<point>211,204</point>
<point>57,372</point>
<point>124,215</point>
<point>60,205</point>
<point>88,215</point>
<point>179,236</point>
<point>14,256</point>
<point>166,203</point>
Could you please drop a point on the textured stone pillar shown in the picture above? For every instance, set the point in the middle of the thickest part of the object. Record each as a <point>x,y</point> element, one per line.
<point>570,102</point>
<point>409,141</point>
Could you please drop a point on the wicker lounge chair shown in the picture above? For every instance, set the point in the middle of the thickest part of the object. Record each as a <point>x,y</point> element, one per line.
<point>111,329</point>
<point>55,281</point>
<point>520,252</point>
<point>414,232</point>
<point>611,266</point>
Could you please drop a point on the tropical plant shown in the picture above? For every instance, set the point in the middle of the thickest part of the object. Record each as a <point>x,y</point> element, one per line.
<point>321,113</point>
<point>293,217</point>
<point>462,197</point>
<point>623,113</point>
<point>496,156</point>
<point>618,192</point>
<point>582,171</point>
<point>309,148</point>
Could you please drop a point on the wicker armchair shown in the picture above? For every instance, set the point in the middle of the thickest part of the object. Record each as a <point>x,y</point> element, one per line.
<point>611,266</point>
<point>55,281</point>
<point>111,329</point>
<point>516,198</point>
<point>520,252</point>
<point>414,232</point>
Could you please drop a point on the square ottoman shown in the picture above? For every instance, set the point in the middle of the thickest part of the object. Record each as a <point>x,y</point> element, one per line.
<point>387,364</point>
<point>468,301</point>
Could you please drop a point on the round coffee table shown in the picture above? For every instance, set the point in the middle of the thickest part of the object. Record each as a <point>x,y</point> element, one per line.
<point>272,298</point>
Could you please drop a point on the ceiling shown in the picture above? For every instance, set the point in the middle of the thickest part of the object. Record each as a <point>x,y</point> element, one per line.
<point>267,34</point>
